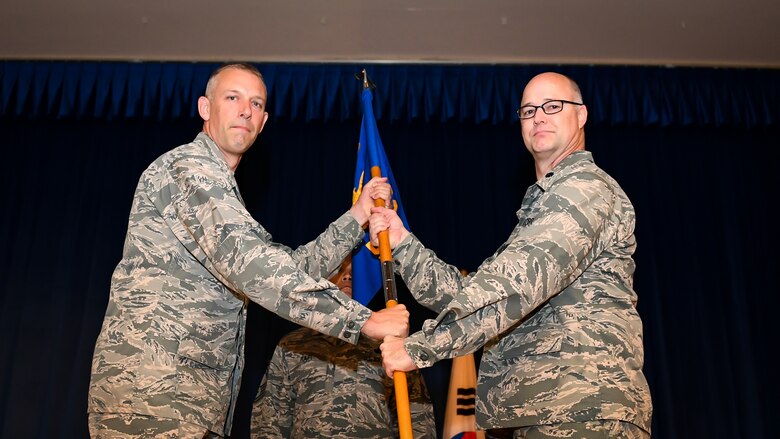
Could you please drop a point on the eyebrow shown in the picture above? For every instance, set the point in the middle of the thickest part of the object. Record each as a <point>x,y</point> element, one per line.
<point>543,101</point>
<point>234,91</point>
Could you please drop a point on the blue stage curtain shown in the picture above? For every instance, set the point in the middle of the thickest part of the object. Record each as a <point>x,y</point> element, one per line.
<point>696,149</point>
<point>664,96</point>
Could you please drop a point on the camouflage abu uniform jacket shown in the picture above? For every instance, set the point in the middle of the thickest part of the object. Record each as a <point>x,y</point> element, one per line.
<point>317,386</point>
<point>554,307</point>
<point>172,341</point>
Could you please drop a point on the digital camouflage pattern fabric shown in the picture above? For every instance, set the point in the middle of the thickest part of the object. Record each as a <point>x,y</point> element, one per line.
<point>321,387</point>
<point>172,340</point>
<point>554,307</point>
<point>132,426</point>
<point>573,430</point>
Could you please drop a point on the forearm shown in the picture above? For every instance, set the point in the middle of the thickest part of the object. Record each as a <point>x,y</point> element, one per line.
<point>322,256</point>
<point>315,304</point>
<point>448,336</point>
<point>432,281</point>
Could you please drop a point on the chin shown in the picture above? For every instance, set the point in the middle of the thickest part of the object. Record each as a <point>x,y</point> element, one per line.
<point>241,147</point>
<point>541,149</point>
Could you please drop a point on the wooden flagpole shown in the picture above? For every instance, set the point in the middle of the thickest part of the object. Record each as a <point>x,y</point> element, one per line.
<point>391,299</point>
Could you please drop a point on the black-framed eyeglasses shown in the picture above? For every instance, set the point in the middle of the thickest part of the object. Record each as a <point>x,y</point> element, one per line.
<point>549,107</point>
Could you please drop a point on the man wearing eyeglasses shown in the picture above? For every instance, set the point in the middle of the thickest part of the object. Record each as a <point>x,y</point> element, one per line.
<point>554,307</point>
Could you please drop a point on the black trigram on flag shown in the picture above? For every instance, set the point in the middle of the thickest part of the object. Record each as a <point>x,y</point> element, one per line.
<point>465,401</point>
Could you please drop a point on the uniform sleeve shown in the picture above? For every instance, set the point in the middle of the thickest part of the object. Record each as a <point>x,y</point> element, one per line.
<point>323,256</point>
<point>543,257</point>
<point>205,214</point>
<point>272,410</point>
<point>432,282</point>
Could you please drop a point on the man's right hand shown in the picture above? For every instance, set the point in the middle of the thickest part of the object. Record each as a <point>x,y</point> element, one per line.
<point>377,187</point>
<point>386,219</point>
<point>394,356</point>
<point>389,321</point>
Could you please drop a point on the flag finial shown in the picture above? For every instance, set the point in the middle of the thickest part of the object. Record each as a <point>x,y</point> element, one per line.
<point>363,76</point>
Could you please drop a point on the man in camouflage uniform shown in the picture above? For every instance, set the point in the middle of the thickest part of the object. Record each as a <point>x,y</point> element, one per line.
<point>168,360</point>
<point>554,307</point>
<point>317,386</point>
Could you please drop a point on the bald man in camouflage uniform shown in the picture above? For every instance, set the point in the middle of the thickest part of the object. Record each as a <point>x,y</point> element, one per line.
<point>317,386</point>
<point>169,357</point>
<point>554,307</point>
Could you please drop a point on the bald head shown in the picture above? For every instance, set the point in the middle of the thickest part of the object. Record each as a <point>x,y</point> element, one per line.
<point>554,119</point>
<point>563,85</point>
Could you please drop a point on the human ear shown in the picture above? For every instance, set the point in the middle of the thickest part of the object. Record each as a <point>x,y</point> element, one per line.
<point>582,115</point>
<point>204,108</point>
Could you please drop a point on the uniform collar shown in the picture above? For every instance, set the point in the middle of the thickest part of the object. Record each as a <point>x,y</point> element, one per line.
<point>214,151</point>
<point>566,167</point>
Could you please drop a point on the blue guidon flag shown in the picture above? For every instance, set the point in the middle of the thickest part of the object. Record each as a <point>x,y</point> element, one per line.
<point>366,267</point>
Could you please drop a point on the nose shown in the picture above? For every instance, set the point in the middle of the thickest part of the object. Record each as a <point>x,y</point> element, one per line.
<point>539,116</point>
<point>246,110</point>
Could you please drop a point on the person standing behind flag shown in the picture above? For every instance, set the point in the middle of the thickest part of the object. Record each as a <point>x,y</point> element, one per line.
<point>317,386</point>
<point>554,307</point>
<point>169,357</point>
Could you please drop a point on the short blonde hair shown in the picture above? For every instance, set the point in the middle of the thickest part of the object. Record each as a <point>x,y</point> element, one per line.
<point>212,83</point>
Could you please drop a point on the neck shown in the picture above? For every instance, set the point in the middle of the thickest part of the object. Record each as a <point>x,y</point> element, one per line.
<point>231,160</point>
<point>547,164</point>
